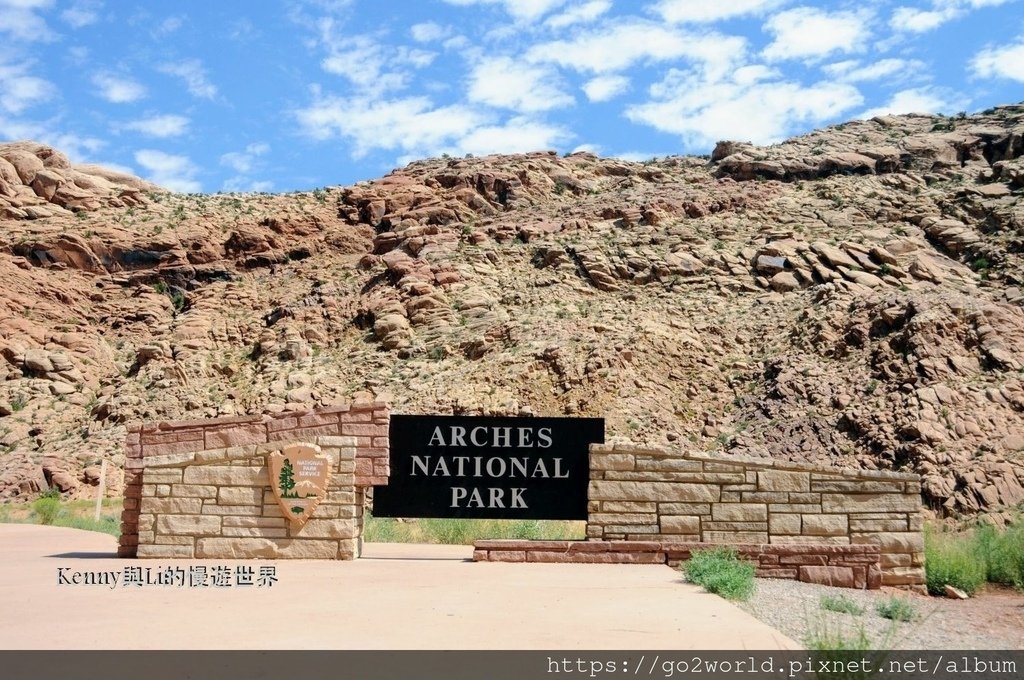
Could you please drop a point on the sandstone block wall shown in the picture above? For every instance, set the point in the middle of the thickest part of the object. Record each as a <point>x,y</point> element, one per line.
<point>843,566</point>
<point>201,488</point>
<point>650,495</point>
<point>218,503</point>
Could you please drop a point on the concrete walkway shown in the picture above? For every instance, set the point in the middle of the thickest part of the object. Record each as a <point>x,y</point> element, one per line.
<point>395,597</point>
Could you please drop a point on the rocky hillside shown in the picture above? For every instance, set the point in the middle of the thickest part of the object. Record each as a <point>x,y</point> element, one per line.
<point>851,297</point>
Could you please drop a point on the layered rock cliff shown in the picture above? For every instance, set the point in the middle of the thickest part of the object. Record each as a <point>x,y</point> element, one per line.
<point>851,297</point>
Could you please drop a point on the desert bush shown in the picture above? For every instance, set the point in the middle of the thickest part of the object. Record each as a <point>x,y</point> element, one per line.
<point>950,559</point>
<point>841,604</point>
<point>720,571</point>
<point>823,636</point>
<point>47,509</point>
<point>896,609</point>
<point>1003,553</point>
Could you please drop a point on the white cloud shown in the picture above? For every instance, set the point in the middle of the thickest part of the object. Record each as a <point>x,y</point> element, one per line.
<point>620,45</point>
<point>809,33</point>
<point>518,135</point>
<point>527,10</point>
<point>701,11</point>
<point>919,20</point>
<point>429,32</point>
<point>118,89</point>
<point>917,100</point>
<point>853,72</point>
<point>410,125</point>
<point>246,185</point>
<point>505,83</point>
<point>414,127</point>
<point>18,19</point>
<point>22,90</point>
<point>192,72</point>
<point>603,88</point>
<point>77,148</point>
<point>366,62</point>
<point>243,161</point>
<point>160,126</point>
<point>633,156</point>
<point>459,42</point>
<point>243,30</point>
<point>754,73</point>
<point>752,104</point>
<point>169,25</point>
<point>579,14</point>
<point>176,173</point>
<point>81,14</point>
<point>1000,62</point>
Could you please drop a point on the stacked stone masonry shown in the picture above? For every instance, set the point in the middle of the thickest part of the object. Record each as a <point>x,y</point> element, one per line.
<point>201,488</point>
<point>843,566</point>
<point>652,495</point>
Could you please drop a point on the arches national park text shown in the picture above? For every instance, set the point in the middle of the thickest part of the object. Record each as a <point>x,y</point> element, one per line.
<point>486,467</point>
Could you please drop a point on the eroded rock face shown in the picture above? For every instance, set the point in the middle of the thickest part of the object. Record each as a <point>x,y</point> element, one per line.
<point>851,297</point>
<point>37,181</point>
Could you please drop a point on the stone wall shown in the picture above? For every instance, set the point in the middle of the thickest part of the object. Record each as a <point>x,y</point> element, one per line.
<point>843,566</point>
<point>201,488</point>
<point>652,495</point>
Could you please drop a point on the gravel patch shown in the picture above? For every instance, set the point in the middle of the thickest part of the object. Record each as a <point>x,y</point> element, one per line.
<point>993,620</point>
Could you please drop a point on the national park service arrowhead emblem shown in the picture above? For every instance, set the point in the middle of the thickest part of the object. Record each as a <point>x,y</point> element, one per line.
<point>298,476</point>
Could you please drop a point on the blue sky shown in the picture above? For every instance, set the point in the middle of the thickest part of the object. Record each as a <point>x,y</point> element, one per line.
<point>295,94</point>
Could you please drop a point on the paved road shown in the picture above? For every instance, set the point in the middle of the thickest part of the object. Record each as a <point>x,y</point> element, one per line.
<point>395,597</point>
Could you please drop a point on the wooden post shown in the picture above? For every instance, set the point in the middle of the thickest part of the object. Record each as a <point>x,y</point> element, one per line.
<point>102,489</point>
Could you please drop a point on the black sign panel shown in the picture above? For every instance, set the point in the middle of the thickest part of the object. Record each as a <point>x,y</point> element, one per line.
<point>488,468</point>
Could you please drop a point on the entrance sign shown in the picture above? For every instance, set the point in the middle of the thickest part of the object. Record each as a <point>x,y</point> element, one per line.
<point>488,467</point>
<point>298,476</point>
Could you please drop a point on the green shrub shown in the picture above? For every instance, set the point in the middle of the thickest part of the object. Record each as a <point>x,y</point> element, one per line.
<point>841,604</point>
<point>19,402</point>
<point>720,571</point>
<point>896,609</point>
<point>51,492</point>
<point>1003,553</point>
<point>951,559</point>
<point>527,530</point>
<point>47,509</point>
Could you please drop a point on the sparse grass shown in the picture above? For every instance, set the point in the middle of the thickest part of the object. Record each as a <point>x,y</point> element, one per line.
<point>823,636</point>
<point>19,402</point>
<point>896,609</point>
<point>841,604</point>
<point>466,531</point>
<point>720,571</point>
<point>178,300</point>
<point>50,510</point>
